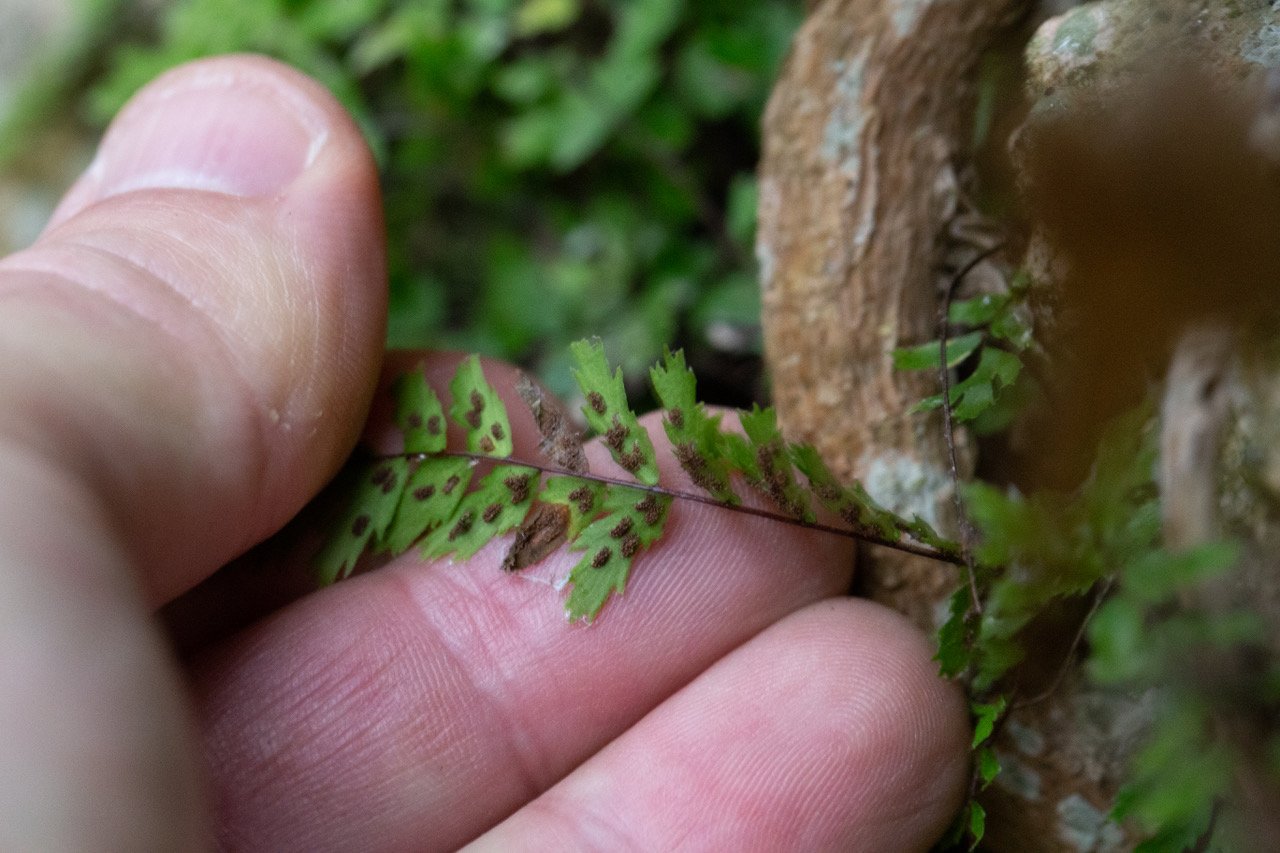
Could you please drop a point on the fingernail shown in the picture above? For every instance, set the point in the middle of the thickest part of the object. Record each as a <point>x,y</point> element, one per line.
<point>246,134</point>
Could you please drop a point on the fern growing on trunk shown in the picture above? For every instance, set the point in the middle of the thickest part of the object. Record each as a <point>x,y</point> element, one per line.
<point>431,497</point>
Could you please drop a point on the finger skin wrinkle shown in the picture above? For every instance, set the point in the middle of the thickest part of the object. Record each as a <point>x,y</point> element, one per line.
<point>828,731</point>
<point>255,314</point>
<point>50,323</point>
<point>395,726</point>
<point>155,302</point>
<point>333,700</point>
<point>158,305</point>
<point>462,623</point>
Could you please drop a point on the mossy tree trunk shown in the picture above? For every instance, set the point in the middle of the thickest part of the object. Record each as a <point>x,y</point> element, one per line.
<point>865,142</point>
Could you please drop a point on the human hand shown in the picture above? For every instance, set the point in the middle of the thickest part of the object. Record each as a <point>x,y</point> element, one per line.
<point>186,356</point>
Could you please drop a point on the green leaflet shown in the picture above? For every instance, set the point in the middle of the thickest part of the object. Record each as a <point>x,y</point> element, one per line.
<point>430,498</point>
<point>1157,576</point>
<point>377,494</point>
<point>497,506</point>
<point>954,653</point>
<point>632,520</point>
<point>996,371</point>
<point>764,457</point>
<point>695,436</point>
<point>854,505</point>
<point>985,716</point>
<point>921,531</point>
<point>478,409</point>
<point>609,414</point>
<point>988,765</point>
<point>419,414</point>
<point>977,824</point>
<point>978,311</point>
<point>928,356</point>
<point>584,498</point>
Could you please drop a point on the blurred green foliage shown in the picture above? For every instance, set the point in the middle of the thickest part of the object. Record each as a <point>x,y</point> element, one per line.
<point>552,168</point>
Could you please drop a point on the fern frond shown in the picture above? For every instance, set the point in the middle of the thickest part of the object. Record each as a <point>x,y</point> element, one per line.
<point>429,495</point>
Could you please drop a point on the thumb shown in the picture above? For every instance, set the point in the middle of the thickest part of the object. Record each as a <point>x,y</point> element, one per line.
<point>198,331</point>
<point>186,354</point>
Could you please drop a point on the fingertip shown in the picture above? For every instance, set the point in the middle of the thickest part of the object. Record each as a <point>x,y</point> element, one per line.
<point>883,736</point>
<point>828,731</point>
<point>243,125</point>
<point>882,679</point>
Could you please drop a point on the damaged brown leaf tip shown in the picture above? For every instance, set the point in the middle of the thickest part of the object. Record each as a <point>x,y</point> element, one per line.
<point>561,443</point>
<point>541,533</point>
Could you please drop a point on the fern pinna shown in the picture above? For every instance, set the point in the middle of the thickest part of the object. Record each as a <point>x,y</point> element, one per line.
<point>431,497</point>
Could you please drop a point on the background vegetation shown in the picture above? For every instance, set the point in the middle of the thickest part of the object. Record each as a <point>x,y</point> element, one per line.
<point>552,168</point>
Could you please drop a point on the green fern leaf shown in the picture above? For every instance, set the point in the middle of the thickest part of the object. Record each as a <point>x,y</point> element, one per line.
<point>498,505</point>
<point>430,498</point>
<point>695,436</point>
<point>954,654</point>
<point>609,414</point>
<point>584,498</point>
<point>854,505</point>
<point>478,409</point>
<point>996,371</point>
<point>928,356</point>
<point>370,513</point>
<point>632,521</point>
<point>988,766</point>
<point>985,716</point>
<point>765,459</point>
<point>978,311</point>
<point>419,414</point>
<point>977,824</point>
<point>923,532</point>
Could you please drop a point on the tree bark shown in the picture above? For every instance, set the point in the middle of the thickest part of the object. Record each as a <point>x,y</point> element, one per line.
<point>863,140</point>
<point>858,185</point>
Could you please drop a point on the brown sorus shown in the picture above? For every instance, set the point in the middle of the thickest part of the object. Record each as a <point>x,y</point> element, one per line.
<point>518,485</point>
<point>464,524</point>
